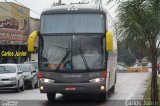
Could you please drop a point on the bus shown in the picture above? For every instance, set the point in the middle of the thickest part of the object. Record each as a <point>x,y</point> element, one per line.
<point>77,51</point>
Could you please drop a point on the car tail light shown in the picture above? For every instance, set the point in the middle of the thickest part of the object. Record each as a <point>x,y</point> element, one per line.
<point>104,74</point>
<point>39,74</point>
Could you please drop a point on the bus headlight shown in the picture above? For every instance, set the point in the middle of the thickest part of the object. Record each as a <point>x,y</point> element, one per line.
<point>45,80</point>
<point>96,80</point>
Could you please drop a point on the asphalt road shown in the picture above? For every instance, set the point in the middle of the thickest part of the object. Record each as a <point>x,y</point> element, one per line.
<point>130,86</point>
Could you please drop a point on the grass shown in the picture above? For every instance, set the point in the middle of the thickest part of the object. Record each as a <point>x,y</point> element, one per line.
<point>148,91</point>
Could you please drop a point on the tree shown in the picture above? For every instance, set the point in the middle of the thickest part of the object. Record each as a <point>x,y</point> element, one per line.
<point>124,54</point>
<point>129,51</point>
<point>140,19</point>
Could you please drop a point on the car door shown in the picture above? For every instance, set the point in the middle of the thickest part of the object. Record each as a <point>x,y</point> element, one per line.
<point>20,76</point>
<point>34,74</point>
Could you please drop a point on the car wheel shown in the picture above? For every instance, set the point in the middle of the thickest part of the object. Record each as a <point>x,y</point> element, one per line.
<point>51,97</point>
<point>37,84</point>
<point>112,89</point>
<point>17,89</point>
<point>22,87</point>
<point>32,85</point>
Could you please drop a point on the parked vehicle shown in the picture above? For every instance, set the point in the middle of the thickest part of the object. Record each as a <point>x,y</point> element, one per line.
<point>35,63</point>
<point>30,75</point>
<point>11,77</point>
<point>78,54</point>
<point>139,67</point>
<point>121,68</point>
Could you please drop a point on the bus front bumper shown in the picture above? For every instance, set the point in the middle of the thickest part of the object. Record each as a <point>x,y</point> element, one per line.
<point>72,88</point>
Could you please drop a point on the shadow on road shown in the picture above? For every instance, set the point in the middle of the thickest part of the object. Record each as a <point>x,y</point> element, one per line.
<point>13,91</point>
<point>76,100</point>
<point>7,91</point>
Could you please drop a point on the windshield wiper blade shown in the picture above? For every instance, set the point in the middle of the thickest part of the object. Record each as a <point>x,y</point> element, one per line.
<point>60,47</point>
<point>83,58</point>
<point>63,59</point>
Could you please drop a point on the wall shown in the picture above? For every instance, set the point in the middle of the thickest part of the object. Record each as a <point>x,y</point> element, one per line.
<point>14,22</point>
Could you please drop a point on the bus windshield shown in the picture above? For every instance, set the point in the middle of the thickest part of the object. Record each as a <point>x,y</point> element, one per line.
<point>73,52</point>
<point>72,23</point>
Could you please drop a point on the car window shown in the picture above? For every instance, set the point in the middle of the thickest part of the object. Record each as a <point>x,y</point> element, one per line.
<point>25,67</point>
<point>35,64</point>
<point>8,69</point>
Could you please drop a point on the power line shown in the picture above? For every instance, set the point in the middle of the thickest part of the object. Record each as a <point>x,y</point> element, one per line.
<point>26,6</point>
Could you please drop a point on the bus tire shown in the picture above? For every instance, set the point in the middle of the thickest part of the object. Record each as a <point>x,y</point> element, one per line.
<point>112,89</point>
<point>103,96</point>
<point>115,77</point>
<point>51,97</point>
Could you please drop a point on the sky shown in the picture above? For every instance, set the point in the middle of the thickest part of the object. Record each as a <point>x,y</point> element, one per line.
<point>37,6</point>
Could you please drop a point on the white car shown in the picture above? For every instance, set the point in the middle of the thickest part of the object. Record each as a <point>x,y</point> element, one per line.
<point>121,68</point>
<point>11,77</point>
<point>30,75</point>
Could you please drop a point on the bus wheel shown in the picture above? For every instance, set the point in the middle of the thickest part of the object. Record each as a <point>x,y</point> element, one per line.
<point>103,96</point>
<point>112,89</point>
<point>51,97</point>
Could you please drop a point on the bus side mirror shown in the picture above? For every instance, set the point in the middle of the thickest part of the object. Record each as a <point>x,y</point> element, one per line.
<point>109,41</point>
<point>31,40</point>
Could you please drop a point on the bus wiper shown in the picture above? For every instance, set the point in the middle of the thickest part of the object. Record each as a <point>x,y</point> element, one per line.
<point>63,59</point>
<point>84,59</point>
<point>60,47</point>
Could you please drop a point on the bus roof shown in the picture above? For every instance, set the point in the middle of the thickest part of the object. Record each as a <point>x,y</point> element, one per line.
<point>73,9</point>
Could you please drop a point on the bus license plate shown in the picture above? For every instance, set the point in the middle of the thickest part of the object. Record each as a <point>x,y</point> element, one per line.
<point>70,88</point>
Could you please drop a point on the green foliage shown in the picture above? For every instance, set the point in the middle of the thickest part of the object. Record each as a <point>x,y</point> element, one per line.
<point>129,51</point>
<point>124,55</point>
<point>140,20</point>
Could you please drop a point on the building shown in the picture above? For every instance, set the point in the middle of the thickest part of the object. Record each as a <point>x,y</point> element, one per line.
<point>14,31</point>
<point>34,26</point>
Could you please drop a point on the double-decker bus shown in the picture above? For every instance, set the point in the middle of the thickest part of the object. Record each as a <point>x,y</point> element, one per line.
<point>77,52</point>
